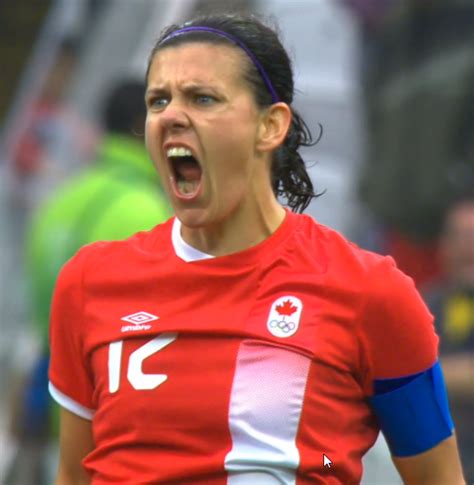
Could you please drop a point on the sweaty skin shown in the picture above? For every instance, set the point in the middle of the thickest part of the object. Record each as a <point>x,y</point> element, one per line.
<point>198,99</point>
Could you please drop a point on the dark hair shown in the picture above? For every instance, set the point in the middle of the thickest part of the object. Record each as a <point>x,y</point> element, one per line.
<point>289,176</point>
<point>124,107</point>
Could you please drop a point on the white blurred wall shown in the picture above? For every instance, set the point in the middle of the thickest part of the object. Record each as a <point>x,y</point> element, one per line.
<point>324,39</point>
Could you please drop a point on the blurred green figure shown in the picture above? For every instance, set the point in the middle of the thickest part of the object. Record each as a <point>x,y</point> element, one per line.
<point>117,195</point>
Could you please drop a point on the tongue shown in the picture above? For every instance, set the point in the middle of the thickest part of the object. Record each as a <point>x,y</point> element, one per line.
<point>187,188</point>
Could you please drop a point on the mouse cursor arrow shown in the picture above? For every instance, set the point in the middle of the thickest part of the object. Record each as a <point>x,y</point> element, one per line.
<point>326,461</point>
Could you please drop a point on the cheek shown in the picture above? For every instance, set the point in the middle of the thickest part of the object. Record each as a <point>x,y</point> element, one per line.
<point>234,154</point>
<point>148,136</point>
<point>151,141</point>
<point>152,145</point>
<point>235,140</point>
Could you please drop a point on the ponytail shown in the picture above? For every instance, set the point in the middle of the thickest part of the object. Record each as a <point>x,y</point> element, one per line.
<point>290,178</point>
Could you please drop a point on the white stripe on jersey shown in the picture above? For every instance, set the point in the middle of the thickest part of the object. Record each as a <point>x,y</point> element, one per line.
<point>264,414</point>
<point>70,404</point>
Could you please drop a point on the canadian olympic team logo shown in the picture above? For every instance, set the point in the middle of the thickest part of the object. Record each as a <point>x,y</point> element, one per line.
<point>284,318</point>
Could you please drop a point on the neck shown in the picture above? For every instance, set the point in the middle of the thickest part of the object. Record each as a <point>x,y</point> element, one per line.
<point>238,232</point>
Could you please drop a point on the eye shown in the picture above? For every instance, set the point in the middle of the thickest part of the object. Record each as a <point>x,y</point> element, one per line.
<point>205,99</point>
<point>158,102</point>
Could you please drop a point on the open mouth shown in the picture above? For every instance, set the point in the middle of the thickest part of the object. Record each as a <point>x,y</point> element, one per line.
<point>187,172</point>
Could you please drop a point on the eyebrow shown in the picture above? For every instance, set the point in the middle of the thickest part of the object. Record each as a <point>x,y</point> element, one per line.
<point>154,90</point>
<point>188,86</point>
<point>197,85</point>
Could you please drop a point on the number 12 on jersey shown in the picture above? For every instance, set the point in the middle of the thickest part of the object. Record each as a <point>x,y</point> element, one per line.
<point>135,375</point>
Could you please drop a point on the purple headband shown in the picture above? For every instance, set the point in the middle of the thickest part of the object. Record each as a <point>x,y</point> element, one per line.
<point>233,39</point>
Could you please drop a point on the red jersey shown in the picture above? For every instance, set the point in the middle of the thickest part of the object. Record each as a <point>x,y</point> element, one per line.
<point>249,368</point>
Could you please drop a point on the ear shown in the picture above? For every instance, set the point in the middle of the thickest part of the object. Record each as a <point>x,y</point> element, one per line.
<point>274,126</point>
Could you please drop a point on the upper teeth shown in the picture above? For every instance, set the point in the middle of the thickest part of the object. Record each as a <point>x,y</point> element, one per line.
<point>178,152</point>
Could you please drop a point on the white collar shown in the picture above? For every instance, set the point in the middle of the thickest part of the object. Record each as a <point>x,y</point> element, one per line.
<point>182,249</point>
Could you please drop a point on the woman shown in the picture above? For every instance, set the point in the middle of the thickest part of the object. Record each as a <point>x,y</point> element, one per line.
<point>239,342</point>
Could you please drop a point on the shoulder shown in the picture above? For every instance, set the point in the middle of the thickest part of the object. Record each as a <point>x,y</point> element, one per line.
<point>339,253</point>
<point>374,277</point>
<point>100,255</point>
<point>391,321</point>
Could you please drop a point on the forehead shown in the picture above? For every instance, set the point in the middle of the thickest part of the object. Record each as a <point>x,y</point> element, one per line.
<point>199,62</point>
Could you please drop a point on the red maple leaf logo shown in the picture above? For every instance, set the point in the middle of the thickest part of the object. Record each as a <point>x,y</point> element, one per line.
<point>287,308</point>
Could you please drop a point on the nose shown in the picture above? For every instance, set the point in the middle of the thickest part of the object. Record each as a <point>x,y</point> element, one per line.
<point>174,117</point>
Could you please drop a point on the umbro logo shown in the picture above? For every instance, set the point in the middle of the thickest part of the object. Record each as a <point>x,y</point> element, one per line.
<point>139,321</point>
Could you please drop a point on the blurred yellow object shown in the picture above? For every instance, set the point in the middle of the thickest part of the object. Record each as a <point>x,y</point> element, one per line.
<point>459,317</point>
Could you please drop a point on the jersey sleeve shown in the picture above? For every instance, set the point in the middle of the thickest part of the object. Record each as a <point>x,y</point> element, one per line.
<point>70,381</point>
<point>397,330</point>
<point>404,382</point>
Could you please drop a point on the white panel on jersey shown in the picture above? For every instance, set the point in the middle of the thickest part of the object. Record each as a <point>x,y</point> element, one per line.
<point>264,414</point>
<point>69,404</point>
<point>182,248</point>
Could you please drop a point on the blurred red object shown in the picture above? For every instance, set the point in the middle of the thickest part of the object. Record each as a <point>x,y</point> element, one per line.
<point>420,260</point>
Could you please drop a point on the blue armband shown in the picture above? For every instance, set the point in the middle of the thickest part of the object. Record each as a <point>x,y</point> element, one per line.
<point>415,416</point>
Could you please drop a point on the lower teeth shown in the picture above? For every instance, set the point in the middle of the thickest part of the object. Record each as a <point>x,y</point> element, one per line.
<point>186,187</point>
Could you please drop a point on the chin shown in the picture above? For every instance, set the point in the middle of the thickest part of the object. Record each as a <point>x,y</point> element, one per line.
<point>191,217</point>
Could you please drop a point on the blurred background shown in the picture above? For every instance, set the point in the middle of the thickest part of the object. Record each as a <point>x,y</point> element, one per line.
<point>390,81</point>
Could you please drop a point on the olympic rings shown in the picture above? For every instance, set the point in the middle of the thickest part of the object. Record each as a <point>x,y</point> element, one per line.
<point>282,325</point>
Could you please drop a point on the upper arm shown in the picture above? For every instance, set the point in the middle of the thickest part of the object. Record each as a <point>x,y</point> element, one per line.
<point>406,387</point>
<point>69,370</point>
<point>75,442</point>
<point>397,330</point>
<point>70,380</point>
<point>437,466</point>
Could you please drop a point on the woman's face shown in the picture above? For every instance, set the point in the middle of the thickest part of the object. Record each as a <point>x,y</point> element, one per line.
<point>202,131</point>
